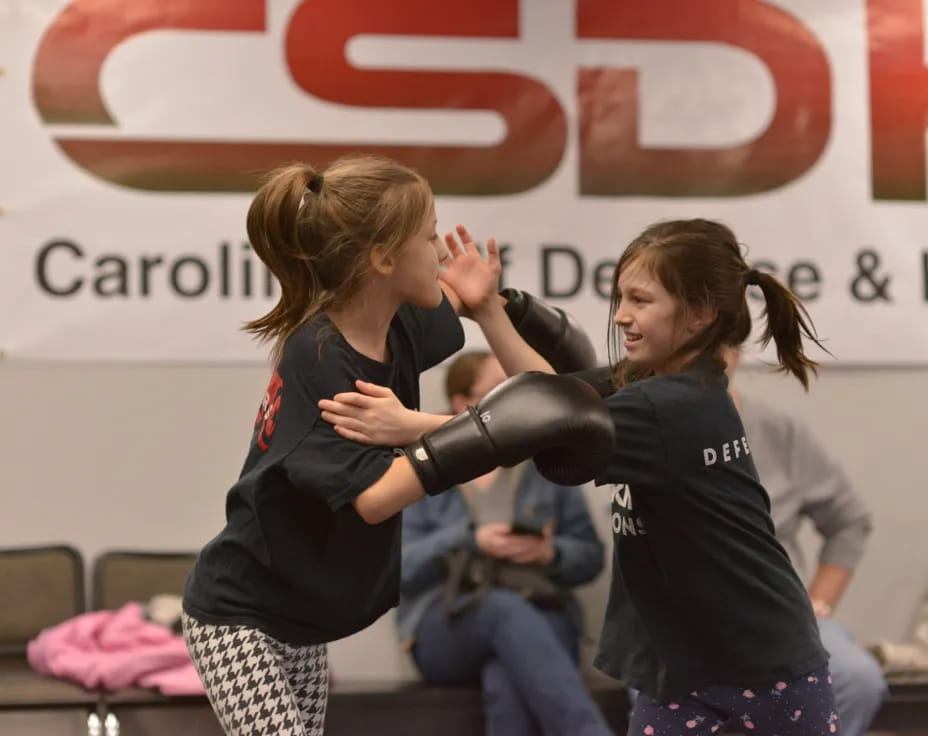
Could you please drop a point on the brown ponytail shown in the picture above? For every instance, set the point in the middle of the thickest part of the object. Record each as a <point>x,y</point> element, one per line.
<point>273,233</point>
<point>787,323</point>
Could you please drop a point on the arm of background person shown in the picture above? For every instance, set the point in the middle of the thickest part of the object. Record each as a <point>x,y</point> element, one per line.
<point>838,513</point>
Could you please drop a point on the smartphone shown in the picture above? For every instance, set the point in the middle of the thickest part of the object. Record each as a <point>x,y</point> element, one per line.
<point>520,528</point>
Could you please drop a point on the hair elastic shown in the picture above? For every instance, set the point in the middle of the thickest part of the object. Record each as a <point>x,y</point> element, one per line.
<point>315,184</point>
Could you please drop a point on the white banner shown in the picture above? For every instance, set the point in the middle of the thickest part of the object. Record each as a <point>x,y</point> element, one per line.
<point>133,132</point>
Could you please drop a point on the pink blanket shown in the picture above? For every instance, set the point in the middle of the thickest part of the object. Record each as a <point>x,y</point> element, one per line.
<point>110,650</point>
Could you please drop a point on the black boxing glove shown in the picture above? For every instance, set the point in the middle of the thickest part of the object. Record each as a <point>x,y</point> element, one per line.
<point>553,333</point>
<point>560,421</point>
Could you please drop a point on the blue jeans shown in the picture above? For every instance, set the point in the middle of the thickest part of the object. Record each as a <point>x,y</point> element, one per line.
<point>524,658</point>
<point>857,679</point>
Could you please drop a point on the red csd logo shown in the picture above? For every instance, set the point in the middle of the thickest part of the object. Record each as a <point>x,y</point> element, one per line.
<point>266,421</point>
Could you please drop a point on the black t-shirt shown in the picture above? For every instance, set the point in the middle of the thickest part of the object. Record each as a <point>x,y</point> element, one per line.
<point>702,592</point>
<point>295,559</point>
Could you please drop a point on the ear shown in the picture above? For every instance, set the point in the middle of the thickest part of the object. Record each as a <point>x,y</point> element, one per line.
<point>701,318</point>
<point>383,262</point>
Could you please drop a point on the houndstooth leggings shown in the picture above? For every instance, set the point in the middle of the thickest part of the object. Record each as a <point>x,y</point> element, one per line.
<point>256,684</point>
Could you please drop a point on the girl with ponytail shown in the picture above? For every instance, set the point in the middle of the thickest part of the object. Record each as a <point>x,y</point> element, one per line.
<point>310,549</point>
<point>707,619</point>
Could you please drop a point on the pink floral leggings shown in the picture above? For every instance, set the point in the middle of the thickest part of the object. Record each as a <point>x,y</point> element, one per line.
<point>804,706</point>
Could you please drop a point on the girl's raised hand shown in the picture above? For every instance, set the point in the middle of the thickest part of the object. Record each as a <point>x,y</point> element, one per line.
<point>472,277</point>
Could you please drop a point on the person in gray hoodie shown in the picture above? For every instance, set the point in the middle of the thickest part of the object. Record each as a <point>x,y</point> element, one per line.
<point>805,482</point>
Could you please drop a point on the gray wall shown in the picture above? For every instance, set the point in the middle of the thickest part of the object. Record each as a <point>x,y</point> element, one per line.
<point>140,456</point>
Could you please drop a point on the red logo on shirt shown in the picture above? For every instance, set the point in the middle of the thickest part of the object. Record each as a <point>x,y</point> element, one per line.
<point>266,421</point>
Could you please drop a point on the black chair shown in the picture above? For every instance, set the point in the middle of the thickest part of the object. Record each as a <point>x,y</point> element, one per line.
<point>42,586</point>
<point>121,576</point>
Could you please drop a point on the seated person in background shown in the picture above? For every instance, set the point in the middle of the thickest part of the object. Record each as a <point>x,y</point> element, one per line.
<point>803,481</point>
<point>486,577</point>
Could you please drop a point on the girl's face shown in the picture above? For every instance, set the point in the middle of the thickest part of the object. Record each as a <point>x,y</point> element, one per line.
<point>415,277</point>
<point>650,318</point>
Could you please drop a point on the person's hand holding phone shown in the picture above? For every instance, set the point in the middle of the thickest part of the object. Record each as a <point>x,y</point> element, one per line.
<point>493,539</point>
<point>517,543</point>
